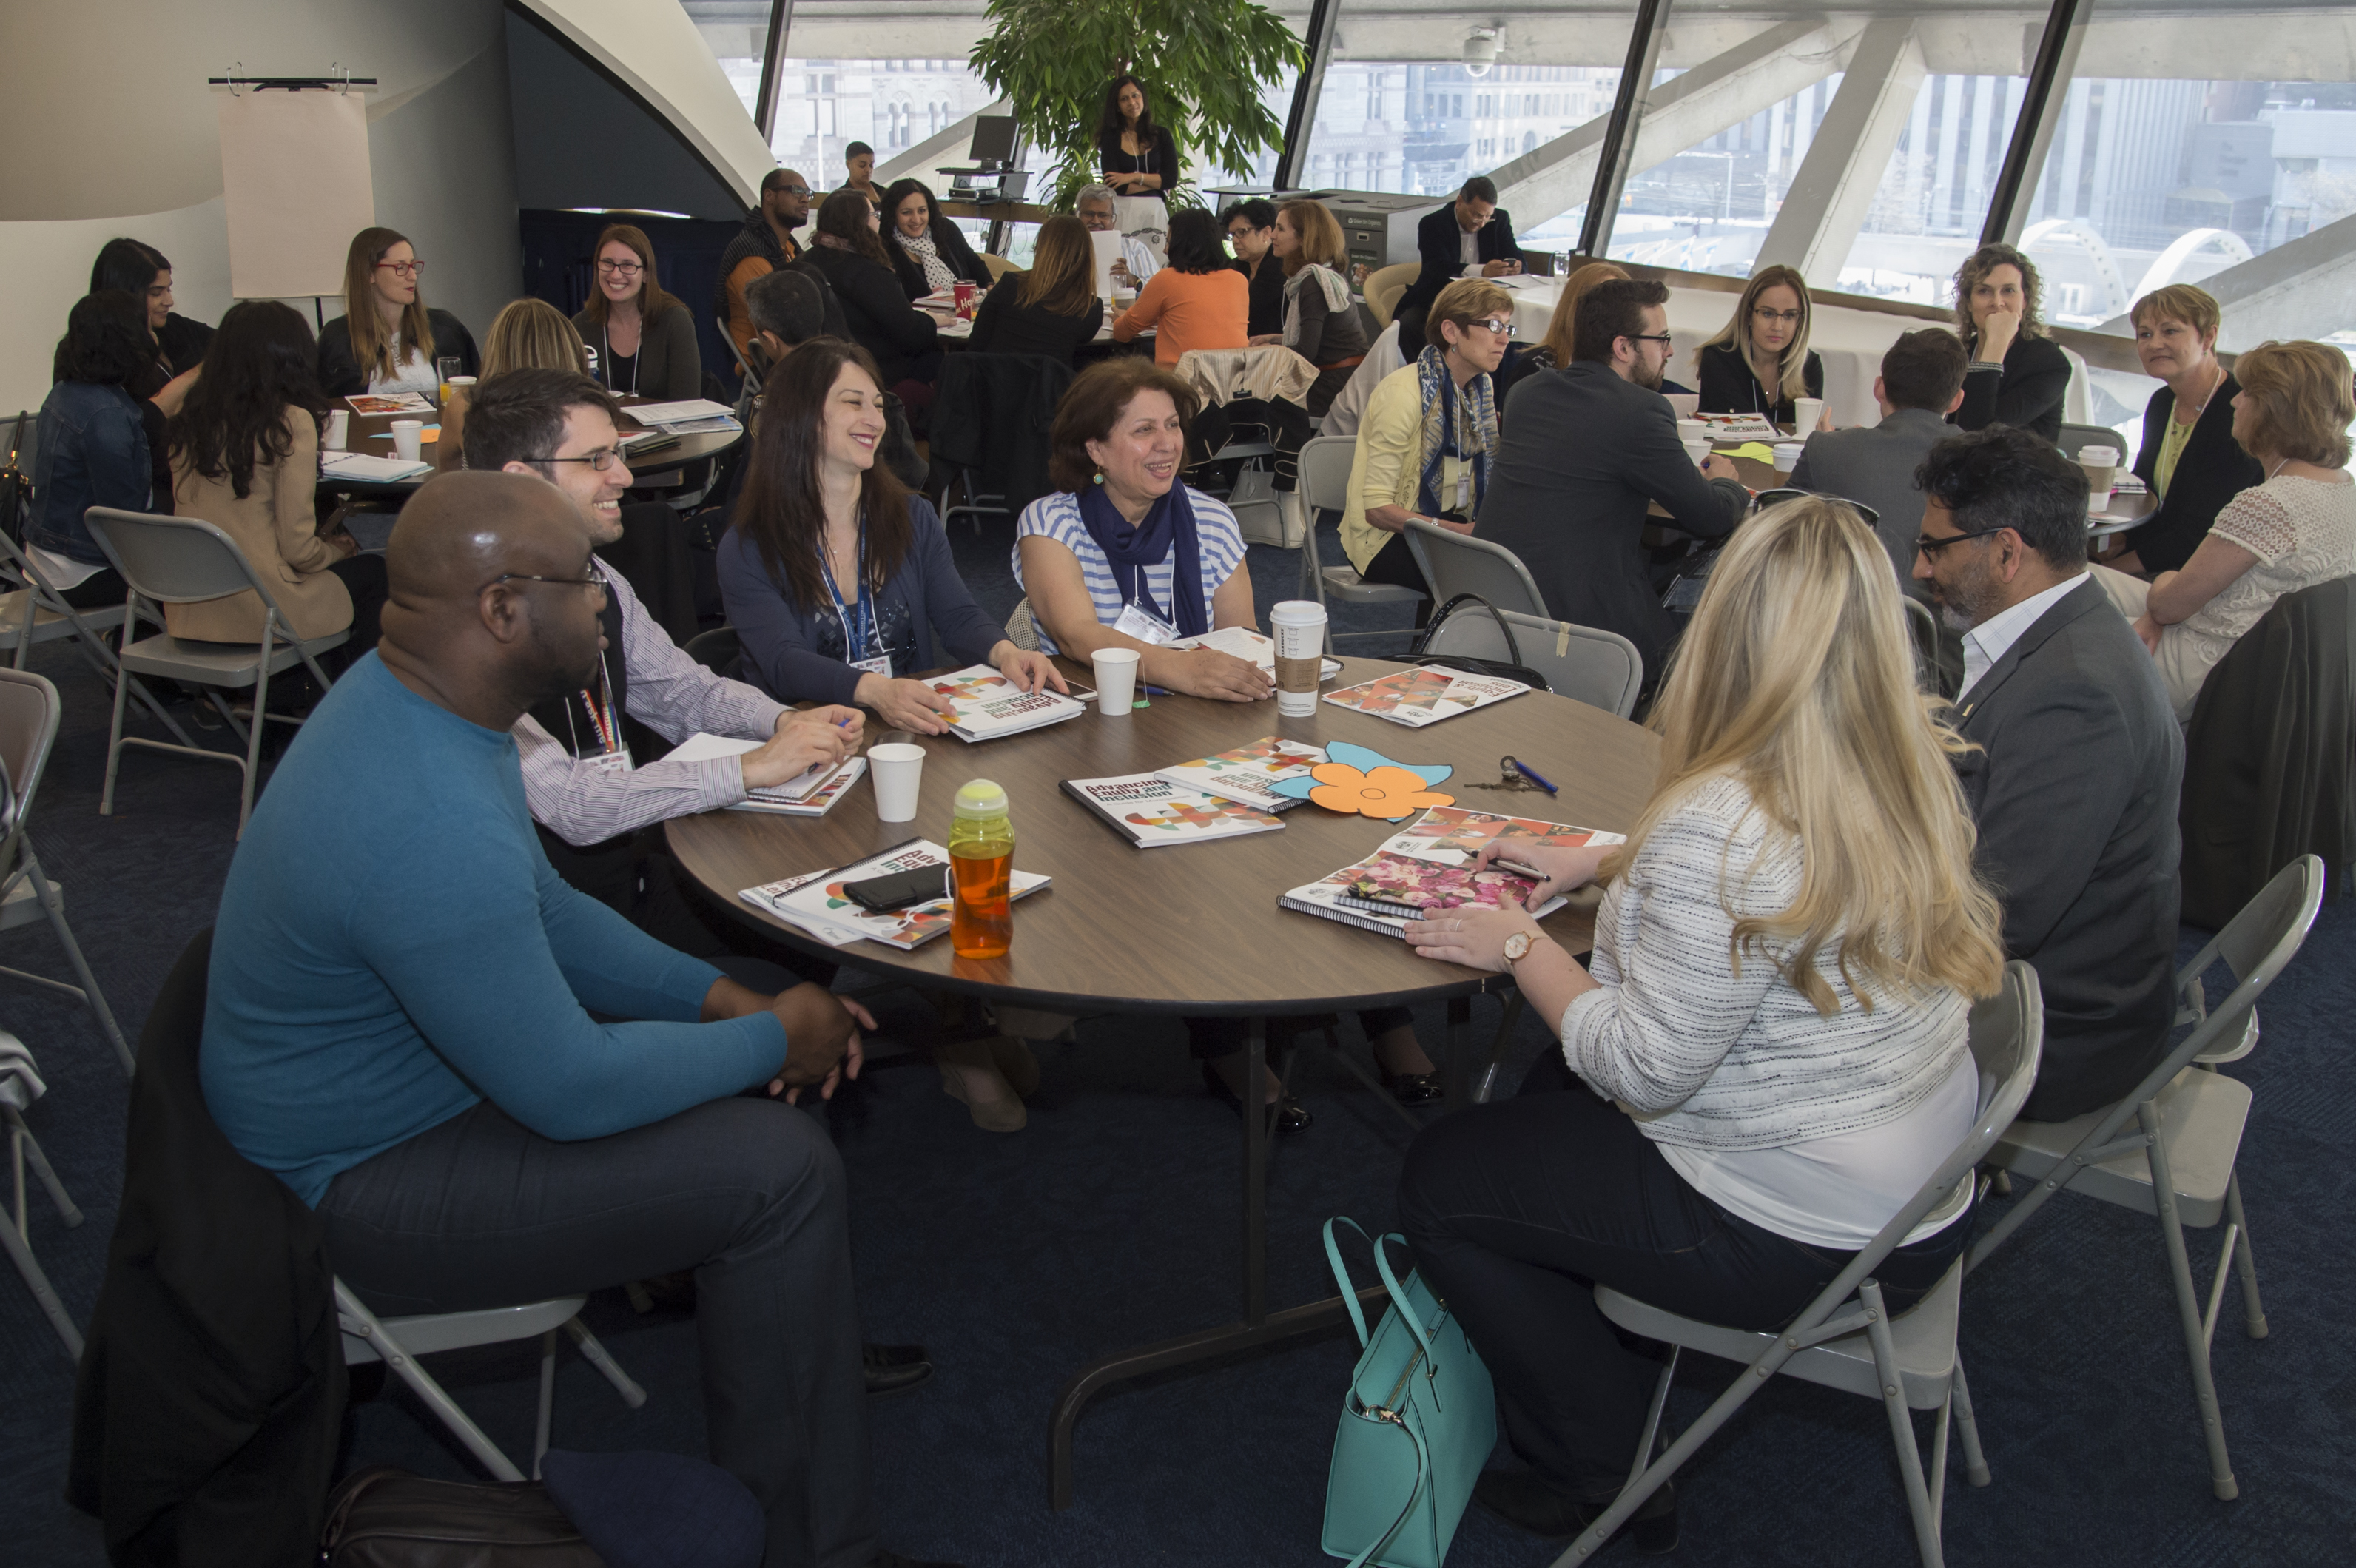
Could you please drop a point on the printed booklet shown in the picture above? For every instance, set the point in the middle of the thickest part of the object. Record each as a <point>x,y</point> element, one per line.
<point>810,793</point>
<point>1150,811</point>
<point>1243,642</point>
<point>1428,865</point>
<point>816,903</point>
<point>1248,773</point>
<point>390,403</point>
<point>988,705</point>
<point>1425,695</point>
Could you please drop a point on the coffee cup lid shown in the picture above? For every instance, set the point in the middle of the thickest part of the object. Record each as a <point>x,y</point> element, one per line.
<point>1296,612</point>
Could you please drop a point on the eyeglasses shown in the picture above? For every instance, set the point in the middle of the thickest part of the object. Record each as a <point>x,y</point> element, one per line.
<point>1501,327</point>
<point>619,268</point>
<point>1660,337</point>
<point>1788,317</point>
<point>593,581</point>
<point>599,461</point>
<point>1930,546</point>
<point>789,190</point>
<point>404,269</point>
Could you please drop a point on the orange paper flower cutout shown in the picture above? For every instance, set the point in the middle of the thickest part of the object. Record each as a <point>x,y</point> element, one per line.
<point>1387,792</point>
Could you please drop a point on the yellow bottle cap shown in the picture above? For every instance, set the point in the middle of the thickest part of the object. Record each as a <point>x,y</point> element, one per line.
<point>981,798</point>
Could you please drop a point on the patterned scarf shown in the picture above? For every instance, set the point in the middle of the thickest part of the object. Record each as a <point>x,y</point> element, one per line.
<point>938,275</point>
<point>1454,426</point>
<point>1324,279</point>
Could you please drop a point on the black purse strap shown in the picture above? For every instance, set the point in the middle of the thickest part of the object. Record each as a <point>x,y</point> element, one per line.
<point>1510,667</point>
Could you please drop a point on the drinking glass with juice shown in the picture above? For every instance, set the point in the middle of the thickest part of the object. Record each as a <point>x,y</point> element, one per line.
<point>981,865</point>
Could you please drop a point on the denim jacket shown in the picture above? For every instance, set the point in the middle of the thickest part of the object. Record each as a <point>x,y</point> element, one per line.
<point>92,451</point>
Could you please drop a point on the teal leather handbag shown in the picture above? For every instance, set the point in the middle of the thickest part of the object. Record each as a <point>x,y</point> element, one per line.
<point>1416,1426</point>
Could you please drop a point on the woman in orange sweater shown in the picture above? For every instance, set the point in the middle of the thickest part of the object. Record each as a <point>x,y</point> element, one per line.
<point>1198,301</point>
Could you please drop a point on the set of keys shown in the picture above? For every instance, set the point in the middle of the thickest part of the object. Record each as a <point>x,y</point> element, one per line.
<point>1515,775</point>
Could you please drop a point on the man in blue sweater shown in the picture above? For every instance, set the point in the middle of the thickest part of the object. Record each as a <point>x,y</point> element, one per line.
<point>400,1027</point>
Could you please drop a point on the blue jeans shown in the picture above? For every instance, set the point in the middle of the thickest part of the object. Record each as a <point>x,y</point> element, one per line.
<point>482,1212</point>
<point>1517,1209</point>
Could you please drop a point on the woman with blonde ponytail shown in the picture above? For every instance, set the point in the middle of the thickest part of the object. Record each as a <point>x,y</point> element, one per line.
<point>1769,1056</point>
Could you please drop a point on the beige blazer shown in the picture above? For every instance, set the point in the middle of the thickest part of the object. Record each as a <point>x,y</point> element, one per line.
<point>276,528</point>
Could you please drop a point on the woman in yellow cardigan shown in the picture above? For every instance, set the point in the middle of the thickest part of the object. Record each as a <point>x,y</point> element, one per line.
<point>1427,437</point>
<point>245,457</point>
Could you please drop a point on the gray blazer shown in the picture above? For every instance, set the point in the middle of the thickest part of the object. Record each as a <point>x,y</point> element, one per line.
<point>1875,467</point>
<point>2074,788</point>
<point>671,364</point>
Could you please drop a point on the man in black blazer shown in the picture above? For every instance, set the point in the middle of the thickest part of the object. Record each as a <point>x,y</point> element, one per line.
<point>1471,237</point>
<point>2075,778</point>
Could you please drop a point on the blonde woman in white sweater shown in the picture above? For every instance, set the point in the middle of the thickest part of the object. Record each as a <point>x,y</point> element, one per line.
<point>1769,1056</point>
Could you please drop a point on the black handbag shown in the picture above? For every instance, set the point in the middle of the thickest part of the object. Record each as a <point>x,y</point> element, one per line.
<point>385,1517</point>
<point>16,487</point>
<point>1510,667</point>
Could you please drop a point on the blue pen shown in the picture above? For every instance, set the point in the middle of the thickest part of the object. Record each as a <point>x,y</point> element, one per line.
<point>1533,776</point>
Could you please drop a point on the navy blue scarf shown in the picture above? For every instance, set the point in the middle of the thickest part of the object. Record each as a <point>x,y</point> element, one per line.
<point>1131,550</point>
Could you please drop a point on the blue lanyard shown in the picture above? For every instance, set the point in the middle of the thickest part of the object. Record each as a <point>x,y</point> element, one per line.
<point>859,628</point>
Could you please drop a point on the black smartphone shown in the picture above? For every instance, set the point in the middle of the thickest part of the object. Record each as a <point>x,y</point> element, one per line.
<point>899,890</point>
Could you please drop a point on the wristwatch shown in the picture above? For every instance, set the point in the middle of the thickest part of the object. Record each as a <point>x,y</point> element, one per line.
<point>1517,948</point>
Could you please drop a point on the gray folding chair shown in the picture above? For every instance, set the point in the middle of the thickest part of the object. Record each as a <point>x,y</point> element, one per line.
<point>1602,669</point>
<point>1456,564</point>
<point>29,712</point>
<point>1846,1339</point>
<point>399,1341</point>
<point>179,561</point>
<point>1324,486</point>
<point>2071,438</point>
<point>2178,1164</point>
<point>19,1083</point>
<point>34,612</point>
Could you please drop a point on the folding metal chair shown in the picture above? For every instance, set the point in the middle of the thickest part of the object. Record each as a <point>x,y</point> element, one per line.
<point>1846,1338</point>
<point>1456,564</point>
<point>29,712</point>
<point>179,561</point>
<point>34,612</point>
<point>399,1341</point>
<point>1602,669</point>
<point>2178,1164</point>
<point>19,1087</point>
<point>1324,486</point>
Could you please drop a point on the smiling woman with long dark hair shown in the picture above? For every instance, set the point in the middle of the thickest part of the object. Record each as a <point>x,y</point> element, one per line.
<point>245,457</point>
<point>1138,157</point>
<point>929,253</point>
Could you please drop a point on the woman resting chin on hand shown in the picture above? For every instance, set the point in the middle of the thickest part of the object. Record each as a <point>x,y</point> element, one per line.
<point>1123,545</point>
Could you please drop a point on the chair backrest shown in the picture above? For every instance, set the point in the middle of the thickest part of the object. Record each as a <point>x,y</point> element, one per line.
<point>29,710</point>
<point>1766,498</point>
<point>2074,436</point>
<point>2008,1034</point>
<point>1599,668</point>
<point>2255,945</point>
<point>1325,482</point>
<point>1384,286</point>
<point>1456,564</point>
<point>999,265</point>
<point>174,560</point>
<point>715,650</point>
<point>1022,630</point>
<point>984,402</point>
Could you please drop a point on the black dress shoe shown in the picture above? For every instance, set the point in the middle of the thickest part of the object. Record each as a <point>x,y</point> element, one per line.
<point>893,1560</point>
<point>1292,1116</point>
<point>895,1368</point>
<point>1414,1087</point>
<point>1521,1498</point>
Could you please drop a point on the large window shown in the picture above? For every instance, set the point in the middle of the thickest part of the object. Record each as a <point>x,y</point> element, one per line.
<point>736,31</point>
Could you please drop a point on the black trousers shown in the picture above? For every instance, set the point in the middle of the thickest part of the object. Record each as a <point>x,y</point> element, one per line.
<point>364,579</point>
<point>97,591</point>
<point>1208,1039</point>
<point>482,1212</point>
<point>1516,1208</point>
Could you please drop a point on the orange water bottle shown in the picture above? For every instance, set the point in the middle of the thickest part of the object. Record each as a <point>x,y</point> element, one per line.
<point>982,859</point>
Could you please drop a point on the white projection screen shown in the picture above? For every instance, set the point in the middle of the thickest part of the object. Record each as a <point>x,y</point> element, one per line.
<point>294,173</point>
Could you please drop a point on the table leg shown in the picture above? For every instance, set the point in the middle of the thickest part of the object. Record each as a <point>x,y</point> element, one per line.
<point>1459,1029</point>
<point>1255,1122</point>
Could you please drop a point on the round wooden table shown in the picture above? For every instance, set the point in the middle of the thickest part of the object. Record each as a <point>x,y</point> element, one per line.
<point>1196,930</point>
<point>371,434</point>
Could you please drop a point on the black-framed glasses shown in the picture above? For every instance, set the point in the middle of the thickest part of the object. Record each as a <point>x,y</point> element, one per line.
<point>1663,338</point>
<point>599,461</point>
<point>791,189</point>
<point>1930,546</point>
<point>1788,317</point>
<point>1497,326</point>
<point>591,579</point>
<point>620,269</point>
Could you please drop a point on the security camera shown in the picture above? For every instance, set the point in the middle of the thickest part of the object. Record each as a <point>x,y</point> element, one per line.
<point>1480,50</point>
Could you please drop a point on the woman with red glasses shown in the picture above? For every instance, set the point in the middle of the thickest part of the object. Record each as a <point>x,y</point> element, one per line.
<point>387,340</point>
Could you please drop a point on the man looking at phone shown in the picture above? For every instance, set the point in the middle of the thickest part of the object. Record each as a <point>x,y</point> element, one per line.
<point>399,1026</point>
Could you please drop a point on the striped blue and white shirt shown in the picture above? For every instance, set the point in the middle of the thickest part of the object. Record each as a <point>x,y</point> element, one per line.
<point>1219,545</point>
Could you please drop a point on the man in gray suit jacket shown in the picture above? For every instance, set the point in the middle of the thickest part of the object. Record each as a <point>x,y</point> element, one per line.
<point>2074,783</point>
<point>1922,382</point>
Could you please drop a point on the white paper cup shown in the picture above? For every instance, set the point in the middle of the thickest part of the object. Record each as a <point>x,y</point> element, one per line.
<point>1692,430</point>
<point>1686,404</point>
<point>1116,671</point>
<point>1806,412</point>
<point>899,773</point>
<point>408,435</point>
<point>339,431</point>
<point>1696,447</point>
<point>1787,456</point>
<point>1299,628</point>
<point>2099,500</point>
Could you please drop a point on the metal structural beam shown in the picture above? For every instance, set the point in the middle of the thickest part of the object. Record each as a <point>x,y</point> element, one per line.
<point>1618,142</point>
<point>922,161</point>
<point>2073,44</point>
<point>1833,187</point>
<point>1303,118</point>
<point>2005,201</point>
<point>2303,289</point>
<point>773,70</point>
<point>1723,91</point>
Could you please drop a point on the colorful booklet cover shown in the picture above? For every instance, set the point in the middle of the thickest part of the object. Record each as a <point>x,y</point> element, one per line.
<point>1426,694</point>
<point>1245,643</point>
<point>390,403</point>
<point>988,705</point>
<point>803,787</point>
<point>1150,811</point>
<point>1248,773</point>
<point>815,902</point>
<point>1428,865</point>
<point>1739,427</point>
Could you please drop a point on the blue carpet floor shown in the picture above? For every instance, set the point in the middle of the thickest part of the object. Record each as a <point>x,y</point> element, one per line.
<point>1112,1219</point>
